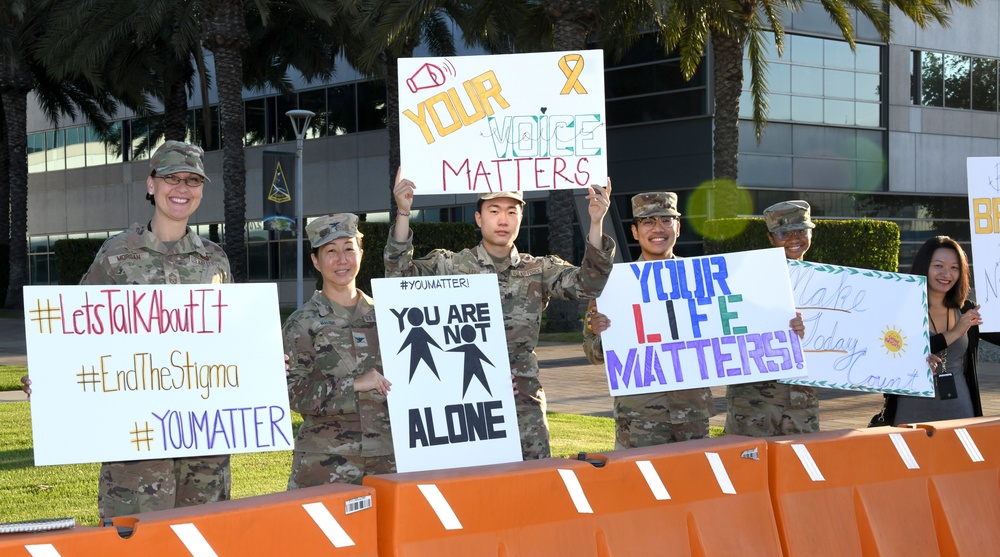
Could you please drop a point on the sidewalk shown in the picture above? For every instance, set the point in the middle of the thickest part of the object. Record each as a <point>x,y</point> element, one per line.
<point>574,386</point>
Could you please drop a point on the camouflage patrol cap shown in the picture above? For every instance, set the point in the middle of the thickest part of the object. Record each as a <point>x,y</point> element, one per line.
<point>655,204</point>
<point>325,229</point>
<point>788,215</point>
<point>177,156</point>
<point>515,195</point>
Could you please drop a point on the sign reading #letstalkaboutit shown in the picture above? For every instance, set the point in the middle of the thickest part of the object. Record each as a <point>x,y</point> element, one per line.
<point>528,122</point>
<point>699,322</point>
<point>865,330</point>
<point>445,352</point>
<point>147,372</point>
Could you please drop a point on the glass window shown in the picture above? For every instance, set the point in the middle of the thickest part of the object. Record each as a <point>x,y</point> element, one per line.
<point>867,114</point>
<point>316,102</point>
<point>343,113</point>
<point>779,78</point>
<point>55,150</point>
<point>255,124</point>
<point>838,54</point>
<point>371,106</point>
<point>957,81</point>
<point>96,152</point>
<point>840,113</point>
<point>779,107</point>
<point>838,83</point>
<point>867,87</point>
<point>984,84</point>
<point>805,50</point>
<point>656,107</point>
<point>868,58</point>
<point>114,150</point>
<point>807,81</point>
<point>36,152</point>
<point>76,153</point>
<point>285,131</point>
<point>805,109</point>
<point>931,79</point>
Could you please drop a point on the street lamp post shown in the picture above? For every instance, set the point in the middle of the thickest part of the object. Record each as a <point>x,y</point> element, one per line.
<point>300,123</point>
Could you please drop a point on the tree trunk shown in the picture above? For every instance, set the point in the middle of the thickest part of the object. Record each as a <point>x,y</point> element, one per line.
<point>224,32</point>
<point>728,78</point>
<point>14,88</point>
<point>4,187</point>
<point>175,111</point>
<point>572,21</point>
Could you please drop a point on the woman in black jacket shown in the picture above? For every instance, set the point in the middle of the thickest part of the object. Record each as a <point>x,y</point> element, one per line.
<point>954,322</point>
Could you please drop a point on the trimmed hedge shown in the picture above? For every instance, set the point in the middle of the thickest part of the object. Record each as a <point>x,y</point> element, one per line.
<point>865,243</point>
<point>73,258</point>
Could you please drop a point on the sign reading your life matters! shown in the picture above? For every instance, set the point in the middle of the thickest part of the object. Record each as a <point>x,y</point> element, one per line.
<point>445,352</point>
<point>699,322</point>
<point>146,372</point>
<point>529,122</point>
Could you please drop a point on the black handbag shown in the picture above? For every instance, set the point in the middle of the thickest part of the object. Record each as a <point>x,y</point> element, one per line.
<point>884,418</point>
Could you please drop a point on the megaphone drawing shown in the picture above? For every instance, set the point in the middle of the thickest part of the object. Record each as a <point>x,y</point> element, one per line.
<point>427,77</point>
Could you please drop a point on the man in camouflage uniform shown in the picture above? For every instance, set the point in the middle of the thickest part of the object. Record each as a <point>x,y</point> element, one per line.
<point>656,418</point>
<point>526,285</point>
<point>164,251</point>
<point>335,369</point>
<point>769,408</point>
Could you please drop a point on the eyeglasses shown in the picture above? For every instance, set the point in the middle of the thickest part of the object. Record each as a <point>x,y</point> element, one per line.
<point>650,222</point>
<point>190,181</point>
<point>789,234</point>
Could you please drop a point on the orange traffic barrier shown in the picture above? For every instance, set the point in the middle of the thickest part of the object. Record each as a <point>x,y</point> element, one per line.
<point>699,498</point>
<point>706,497</point>
<point>888,491</point>
<point>505,510</point>
<point>335,520</point>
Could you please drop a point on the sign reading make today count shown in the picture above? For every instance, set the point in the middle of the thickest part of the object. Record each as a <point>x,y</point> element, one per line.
<point>527,122</point>
<point>147,372</point>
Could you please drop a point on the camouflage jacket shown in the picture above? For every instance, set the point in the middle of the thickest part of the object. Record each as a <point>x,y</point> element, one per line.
<point>328,347</point>
<point>136,256</point>
<point>526,285</point>
<point>683,406</point>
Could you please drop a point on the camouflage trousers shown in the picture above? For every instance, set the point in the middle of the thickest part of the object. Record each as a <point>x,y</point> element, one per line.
<point>154,485</point>
<point>631,433</point>
<point>312,469</point>
<point>531,420</point>
<point>769,409</point>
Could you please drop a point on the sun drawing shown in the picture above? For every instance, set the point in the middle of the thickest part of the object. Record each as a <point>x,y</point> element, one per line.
<point>894,342</point>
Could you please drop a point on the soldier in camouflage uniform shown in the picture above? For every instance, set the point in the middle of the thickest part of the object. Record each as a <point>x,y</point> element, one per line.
<point>656,418</point>
<point>526,285</point>
<point>335,370</point>
<point>165,251</point>
<point>769,408</point>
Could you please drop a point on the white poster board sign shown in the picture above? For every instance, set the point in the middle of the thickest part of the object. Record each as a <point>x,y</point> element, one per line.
<point>984,221</point>
<point>865,330</point>
<point>529,122</point>
<point>146,372</point>
<point>699,322</point>
<point>445,352</point>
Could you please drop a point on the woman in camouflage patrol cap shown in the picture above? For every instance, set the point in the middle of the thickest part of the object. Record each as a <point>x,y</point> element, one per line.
<point>335,370</point>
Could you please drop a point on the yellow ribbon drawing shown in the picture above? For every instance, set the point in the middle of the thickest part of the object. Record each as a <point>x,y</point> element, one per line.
<point>572,75</point>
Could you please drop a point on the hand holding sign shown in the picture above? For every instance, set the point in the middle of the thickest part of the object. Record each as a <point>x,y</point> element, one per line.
<point>403,193</point>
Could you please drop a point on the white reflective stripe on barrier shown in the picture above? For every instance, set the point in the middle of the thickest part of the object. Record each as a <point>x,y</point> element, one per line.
<point>721,475</point>
<point>653,480</point>
<point>42,550</point>
<point>970,445</point>
<point>576,491</point>
<point>807,462</point>
<point>193,540</point>
<point>329,525</point>
<point>441,507</point>
<point>904,451</point>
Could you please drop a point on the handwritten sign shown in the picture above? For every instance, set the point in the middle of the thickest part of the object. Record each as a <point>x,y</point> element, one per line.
<point>144,372</point>
<point>699,322</point>
<point>865,330</point>
<point>445,351</point>
<point>984,220</point>
<point>474,124</point>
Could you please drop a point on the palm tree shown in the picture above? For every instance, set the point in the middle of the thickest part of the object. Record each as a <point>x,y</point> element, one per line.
<point>733,27</point>
<point>22,23</point>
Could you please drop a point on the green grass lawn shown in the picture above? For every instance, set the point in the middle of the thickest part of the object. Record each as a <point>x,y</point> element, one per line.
<point>31,492</point>
<point>10,377</point>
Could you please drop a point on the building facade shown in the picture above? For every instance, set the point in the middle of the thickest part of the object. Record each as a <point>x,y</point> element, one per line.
<point>881,132</point>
